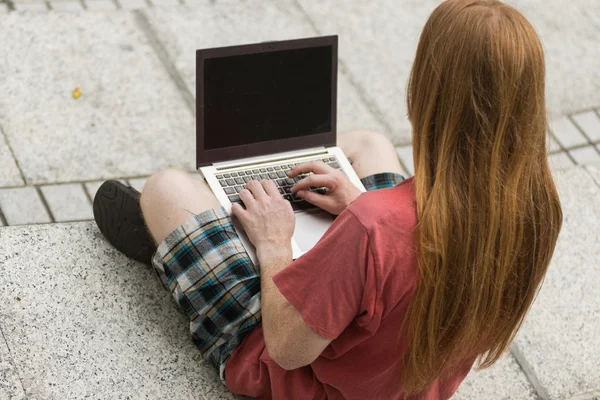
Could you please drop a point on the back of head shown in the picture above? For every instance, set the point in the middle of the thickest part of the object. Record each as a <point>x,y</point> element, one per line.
<point>489,213</point>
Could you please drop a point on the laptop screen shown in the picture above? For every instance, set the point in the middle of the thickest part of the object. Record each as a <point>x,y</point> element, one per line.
<point>267,96</point>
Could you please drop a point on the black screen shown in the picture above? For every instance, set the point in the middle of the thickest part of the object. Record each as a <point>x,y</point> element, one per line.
<point>267,96</point>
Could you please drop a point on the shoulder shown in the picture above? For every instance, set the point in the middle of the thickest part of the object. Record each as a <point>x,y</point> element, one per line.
<point>384,206</point>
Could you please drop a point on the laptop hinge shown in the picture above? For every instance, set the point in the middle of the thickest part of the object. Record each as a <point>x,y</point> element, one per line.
<point>240,162</point>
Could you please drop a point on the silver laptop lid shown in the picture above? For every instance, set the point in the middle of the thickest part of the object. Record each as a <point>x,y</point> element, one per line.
<point>265,98</point>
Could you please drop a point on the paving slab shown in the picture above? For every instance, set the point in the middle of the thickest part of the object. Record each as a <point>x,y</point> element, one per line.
<point>92,324</point>
<point>133,4</point>
<point>22,206</point>
<point>589,122</point>
<point>559,337</point>
<point>68,202</point>
<point>586,155</point>
<point>31,7</point>
<point>100,5</point>
<point>182,32</point>
<point>130,119</point>
<point>10,385</point>
<point>560,161</point>
<point>66,5</point>
<point>567,133</point>
<point>379,38</point>
<point>503,381</point>
<point>9,172</point>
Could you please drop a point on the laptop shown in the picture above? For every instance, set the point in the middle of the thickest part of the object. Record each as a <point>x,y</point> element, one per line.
<point>261,109</point>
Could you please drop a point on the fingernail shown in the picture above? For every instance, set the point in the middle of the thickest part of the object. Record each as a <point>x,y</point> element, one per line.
<point>300,193</point>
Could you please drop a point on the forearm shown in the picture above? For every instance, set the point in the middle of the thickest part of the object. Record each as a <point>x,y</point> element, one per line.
<point>273,304</point>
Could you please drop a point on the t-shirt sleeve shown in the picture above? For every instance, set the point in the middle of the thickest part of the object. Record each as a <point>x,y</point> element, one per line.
<point>326,284</point>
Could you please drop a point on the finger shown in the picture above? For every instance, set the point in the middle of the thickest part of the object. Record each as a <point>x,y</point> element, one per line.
<point>247,198</point>
<point>270,188</point>
<point>257,189</point>
<point>325,180</point>
<point>238,211</point>
<point>318,167</point>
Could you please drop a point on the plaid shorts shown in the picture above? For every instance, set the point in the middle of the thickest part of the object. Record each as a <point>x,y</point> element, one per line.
<point>205,266</point>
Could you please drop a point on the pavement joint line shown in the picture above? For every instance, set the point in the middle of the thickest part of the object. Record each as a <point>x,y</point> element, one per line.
<point>10,4</point>
<point>117,4</point>
<point>163,56</point>
<point>360,91</point>
<point>45,203</point>
<point>83,4</point>
<point>527,369</point>
<point>3,219</point>
<point>12,358</point>
<point>594,178</point>
<point>87,194</point>
<point>12,153</point>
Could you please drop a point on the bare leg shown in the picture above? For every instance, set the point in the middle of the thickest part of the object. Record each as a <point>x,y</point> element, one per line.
<point>370,152</point>
<point>172,197</point>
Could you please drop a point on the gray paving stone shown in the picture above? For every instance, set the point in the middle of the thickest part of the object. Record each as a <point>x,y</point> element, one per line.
<point>100,5</point>
<point>138,184</point>
<point>22,206</point>
<point>10,386</point>
<point>3,9</point>
<point>130,119</point>
<point>586,155</point>
<point>406,156</point>
<point>165,3</point>
<point>553,145</point>
<point>595,395</point>
<point>379,42</point>
<point>133,4</point>
<point>560,161</point>
<point>68,202</point>
<point>589,122</point>
<point>9,172</point>
<point>504,380</point>
<point>559,337</point>
<point>92,323</point>
<point>66,5</point>
<point>567,133</point>
<point>182,32</point>
<point>31,7</point>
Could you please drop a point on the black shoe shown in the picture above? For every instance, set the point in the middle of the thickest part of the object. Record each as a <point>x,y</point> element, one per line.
<point>118,214</point>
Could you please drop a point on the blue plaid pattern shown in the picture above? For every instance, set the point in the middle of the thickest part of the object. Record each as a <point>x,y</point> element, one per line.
<point>205,266</point>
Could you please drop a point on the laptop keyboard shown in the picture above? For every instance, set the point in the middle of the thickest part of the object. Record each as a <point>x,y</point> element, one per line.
<point>234,182</point>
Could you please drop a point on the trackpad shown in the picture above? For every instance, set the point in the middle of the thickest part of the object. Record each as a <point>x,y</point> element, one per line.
<point>310,227</point>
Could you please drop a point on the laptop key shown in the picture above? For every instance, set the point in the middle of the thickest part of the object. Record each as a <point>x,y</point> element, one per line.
<point>280,182</point>
<point>281,191</point>
<point>248,173</point>
<point>223,183</point>
<point>287,190</point>
<point>264,176</point>
<point>281,174</point>
<point>270,169</point>
<point>255,171</point>
<point>229,190</point>
<point>334,165</point>
<point>226,176</point>
<point>332,159</point>
<point>234,198</point>
<point>301,205</point>
<point>255,177</point>
<point>219,176</point>
<point>234,174</point>
<point>247,179</point>
<point>290,181</point>
<point>239,181</point>
<point>277,168</point>
<point>238,189</point>
<point>288,198</point>
<point>272,175</point>
<point>230,182</point>
<point>263,170</point>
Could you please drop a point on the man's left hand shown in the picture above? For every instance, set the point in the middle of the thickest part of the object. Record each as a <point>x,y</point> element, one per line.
<point>268,218</point>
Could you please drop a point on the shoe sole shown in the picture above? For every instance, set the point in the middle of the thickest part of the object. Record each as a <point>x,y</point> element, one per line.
<point>119,217</point>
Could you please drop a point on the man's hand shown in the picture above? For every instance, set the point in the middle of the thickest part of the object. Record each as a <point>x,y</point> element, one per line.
<point>341,192</point>
<point>268,219</point>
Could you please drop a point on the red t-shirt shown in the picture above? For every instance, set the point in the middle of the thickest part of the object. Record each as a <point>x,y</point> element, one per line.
<point>353,287</point>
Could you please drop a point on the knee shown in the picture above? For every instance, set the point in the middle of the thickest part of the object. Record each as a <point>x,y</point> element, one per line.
<point>161,183</point>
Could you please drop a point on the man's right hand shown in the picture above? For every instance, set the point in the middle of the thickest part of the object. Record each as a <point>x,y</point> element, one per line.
<point>341,192</point>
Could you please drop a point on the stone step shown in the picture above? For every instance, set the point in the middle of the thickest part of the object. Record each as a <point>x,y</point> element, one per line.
<point>81,320</point>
